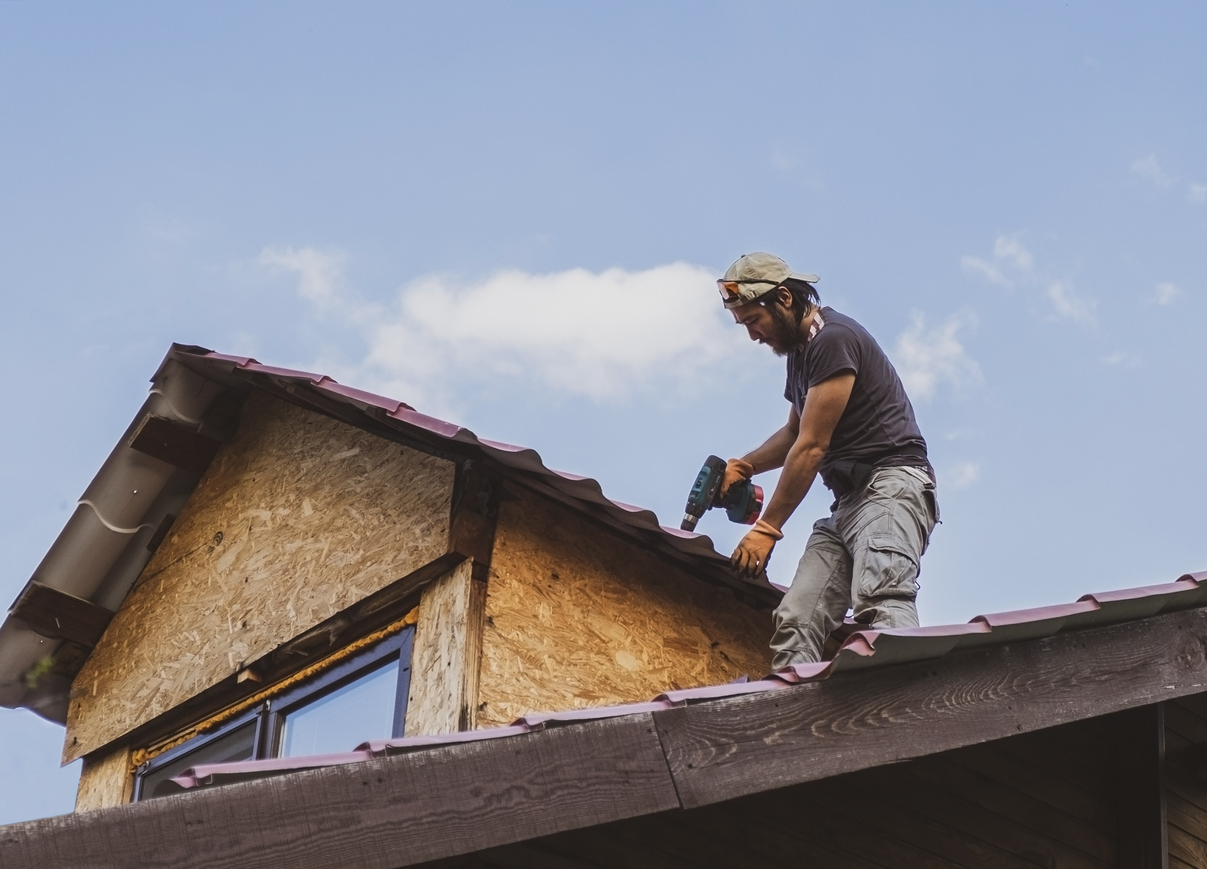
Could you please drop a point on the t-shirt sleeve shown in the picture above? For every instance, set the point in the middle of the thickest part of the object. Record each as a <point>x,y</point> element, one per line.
<point>835,348</point>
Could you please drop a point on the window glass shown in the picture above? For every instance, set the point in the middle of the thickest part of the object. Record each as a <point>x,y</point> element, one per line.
<point>341,720</point>
<point>230,747</point>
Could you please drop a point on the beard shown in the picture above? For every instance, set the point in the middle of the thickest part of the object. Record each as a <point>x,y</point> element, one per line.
<point>785,335</point>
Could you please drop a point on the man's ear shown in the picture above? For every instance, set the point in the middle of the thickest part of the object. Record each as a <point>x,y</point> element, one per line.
<point>785,298</point>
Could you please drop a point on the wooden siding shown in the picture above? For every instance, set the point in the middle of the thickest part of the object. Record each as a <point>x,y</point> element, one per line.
<point>298,517</point>
<point>577,617</point>
<point>1043,799</point>
<point>1185,793</point>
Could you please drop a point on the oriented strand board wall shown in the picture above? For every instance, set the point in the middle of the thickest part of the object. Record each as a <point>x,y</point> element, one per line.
<point>576,616</point>
<point>297,518</point>
<point>445,657</point>
<point>106,780</point>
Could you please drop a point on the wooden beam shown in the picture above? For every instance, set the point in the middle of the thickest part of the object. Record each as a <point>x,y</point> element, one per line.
<point>1139,759</point>
<point>722,750</point>
<point>475,512</point>
<point>446,656</point>
<point>378,814</point>
<point>55,613</point>
<point>174,443</point>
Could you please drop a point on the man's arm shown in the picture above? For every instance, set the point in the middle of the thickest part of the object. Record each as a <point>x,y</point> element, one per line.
<point>774,451</point>
<point>824,406</point>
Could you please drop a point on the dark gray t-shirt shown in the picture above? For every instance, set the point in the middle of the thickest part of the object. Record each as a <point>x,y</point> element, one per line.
<point>878,426</point>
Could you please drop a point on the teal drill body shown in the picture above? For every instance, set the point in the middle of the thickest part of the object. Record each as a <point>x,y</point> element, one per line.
<point>743,502</point>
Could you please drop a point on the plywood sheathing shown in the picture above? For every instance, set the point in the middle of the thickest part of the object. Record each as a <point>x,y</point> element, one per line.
<point>141,755</point>
<point>107,779</point>
<point>444,659</point>
<point>298,517</point>
<point>577,616</point>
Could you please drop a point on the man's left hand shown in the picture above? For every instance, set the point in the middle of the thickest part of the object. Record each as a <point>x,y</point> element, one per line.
<point>752,554</point>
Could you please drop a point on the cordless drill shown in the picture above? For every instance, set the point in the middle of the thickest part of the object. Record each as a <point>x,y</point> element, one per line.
<point>743,502</point>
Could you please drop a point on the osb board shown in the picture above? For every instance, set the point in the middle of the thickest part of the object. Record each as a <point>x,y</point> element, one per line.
<point>298,517</point>
<point>106,780</point>
<point>444,659</point>
<point>577,617</point>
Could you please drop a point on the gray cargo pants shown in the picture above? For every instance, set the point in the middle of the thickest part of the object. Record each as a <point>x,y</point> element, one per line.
<point>863,557</point>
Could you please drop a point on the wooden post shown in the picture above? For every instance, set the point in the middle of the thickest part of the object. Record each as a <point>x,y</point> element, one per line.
<point>1140,762</point>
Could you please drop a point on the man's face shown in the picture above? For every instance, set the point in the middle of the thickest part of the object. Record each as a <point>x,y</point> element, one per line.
<point>772,325</point>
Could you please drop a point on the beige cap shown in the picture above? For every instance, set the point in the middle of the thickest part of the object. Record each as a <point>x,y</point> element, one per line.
<point>755,274</point>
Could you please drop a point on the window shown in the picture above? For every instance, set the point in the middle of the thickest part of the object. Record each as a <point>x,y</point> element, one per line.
<point>359,699</point>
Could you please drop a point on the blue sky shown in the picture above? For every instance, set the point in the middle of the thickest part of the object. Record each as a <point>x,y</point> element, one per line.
<point>511,214</point>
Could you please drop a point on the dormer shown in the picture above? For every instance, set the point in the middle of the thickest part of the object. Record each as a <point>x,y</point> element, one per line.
<point>272,564</point>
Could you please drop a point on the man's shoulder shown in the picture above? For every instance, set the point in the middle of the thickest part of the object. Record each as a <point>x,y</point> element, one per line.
<point>840,322</point>
<point>846,330</point>
<point>837,329</point>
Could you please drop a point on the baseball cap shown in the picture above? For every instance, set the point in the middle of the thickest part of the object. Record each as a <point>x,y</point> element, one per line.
<point>755,274</point>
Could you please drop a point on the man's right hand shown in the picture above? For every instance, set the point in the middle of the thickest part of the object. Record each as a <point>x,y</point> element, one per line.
<point>735,471</point>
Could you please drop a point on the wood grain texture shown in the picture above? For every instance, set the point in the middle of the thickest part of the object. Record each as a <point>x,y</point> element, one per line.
<point>1185,791</point>
<point>379,814</point>
<point>298,517</point>
<point>106,779</point>
<point>1018,806</point>
<point>55,613</point>
<point>735,747</point>
<point>905,815</point>
<point>444,659</point>
<point>1139,762</point>
<point>578,617</point>
<point>175,444</point>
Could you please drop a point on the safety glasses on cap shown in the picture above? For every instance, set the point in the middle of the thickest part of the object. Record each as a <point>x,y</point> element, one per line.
<point>732,292</point>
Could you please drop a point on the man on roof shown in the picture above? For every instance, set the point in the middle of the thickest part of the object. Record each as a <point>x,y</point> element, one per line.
<point>851,422</point>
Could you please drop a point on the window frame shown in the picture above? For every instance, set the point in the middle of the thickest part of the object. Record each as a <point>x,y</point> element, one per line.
<point>269,715</point>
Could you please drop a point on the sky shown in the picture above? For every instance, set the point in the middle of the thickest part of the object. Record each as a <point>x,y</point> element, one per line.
<point>511,215</point>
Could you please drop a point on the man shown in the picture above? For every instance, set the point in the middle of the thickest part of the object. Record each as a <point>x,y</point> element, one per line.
<point>852,422</point>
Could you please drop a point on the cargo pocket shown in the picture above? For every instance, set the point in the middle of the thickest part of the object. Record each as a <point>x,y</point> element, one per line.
<point>889,570</point>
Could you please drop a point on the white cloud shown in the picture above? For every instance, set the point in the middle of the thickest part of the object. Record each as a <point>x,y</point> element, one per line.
<point>604,335</point>
<point>1123,359</point>
<point>1069,305</point>
<point>1166,294</point>
<point>1009,256</point>
<point>925,358</point>
<point>986,269</point>
<point>1149,168</point>
<point>960,475</point>
<point>320,274</point>
<point>1010,249</point>
<point>1013,265</point>
<point>1197,192</point>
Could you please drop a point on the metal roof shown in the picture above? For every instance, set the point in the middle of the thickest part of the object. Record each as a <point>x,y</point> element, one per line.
<point>862,649</point>
<point>103,547</point>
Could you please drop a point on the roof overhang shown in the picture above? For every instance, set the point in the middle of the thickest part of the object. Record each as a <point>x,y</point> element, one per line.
<point>471,794</point>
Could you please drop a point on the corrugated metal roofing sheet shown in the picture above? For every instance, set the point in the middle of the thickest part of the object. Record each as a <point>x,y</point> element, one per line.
<point>521,460</point>
<point>102,549</point>
<point>861,650</point>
